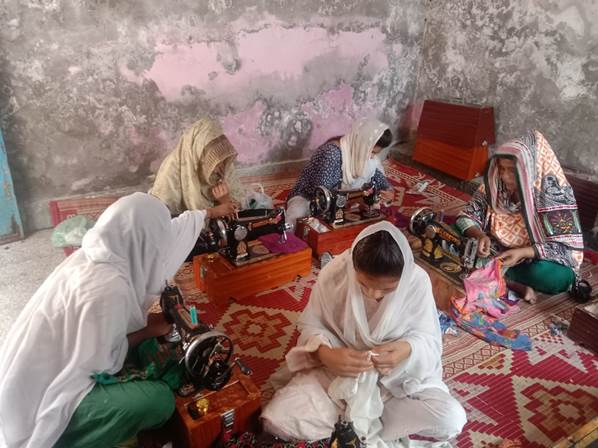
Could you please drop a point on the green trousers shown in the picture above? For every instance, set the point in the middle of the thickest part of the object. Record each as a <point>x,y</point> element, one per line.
<point>114,413</point>
<point>543,276</point>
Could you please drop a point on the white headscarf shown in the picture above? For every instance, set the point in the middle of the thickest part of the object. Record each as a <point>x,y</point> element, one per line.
<point>77,322</point>
<point>336,311</point>
<point>356,148</point>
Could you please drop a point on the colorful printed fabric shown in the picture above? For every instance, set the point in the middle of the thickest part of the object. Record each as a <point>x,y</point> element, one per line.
<point>478,312</point>
<point>547,208</point>
<point>488,328</point>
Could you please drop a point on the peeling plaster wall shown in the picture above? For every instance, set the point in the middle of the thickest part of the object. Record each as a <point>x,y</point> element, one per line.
<point>94,94</point>
<point>535,61</point>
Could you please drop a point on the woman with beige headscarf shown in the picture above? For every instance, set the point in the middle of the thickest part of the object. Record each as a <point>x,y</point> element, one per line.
<point>348,162</point>
<point>200,172</point>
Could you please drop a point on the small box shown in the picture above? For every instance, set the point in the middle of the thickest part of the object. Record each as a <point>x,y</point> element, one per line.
<point>584,325</point>
<point>235,409</point>
<point>222,280</point>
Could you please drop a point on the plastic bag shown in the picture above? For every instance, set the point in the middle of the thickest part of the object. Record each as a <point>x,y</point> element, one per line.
<point>70,232</point>
<point>256,198</point>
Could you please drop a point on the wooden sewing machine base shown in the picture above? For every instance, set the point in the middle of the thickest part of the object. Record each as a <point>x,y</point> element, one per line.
<point>221,280</point>
<point>444,285</point>
<point>333,240</point>
<point>240,395</point>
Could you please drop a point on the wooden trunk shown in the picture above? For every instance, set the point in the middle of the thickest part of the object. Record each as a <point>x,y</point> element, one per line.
<point>221,280</point>
<point>453,138</point>
<point>584,325</point>
<point>334,241</point>
<point>240,395</point>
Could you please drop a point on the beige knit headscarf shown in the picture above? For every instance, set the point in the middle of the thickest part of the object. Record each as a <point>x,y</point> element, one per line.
<point>202,158</point>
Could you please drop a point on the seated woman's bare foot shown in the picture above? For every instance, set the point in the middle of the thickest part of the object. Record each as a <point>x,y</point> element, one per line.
<point>530,295</point>
<point>525,292</point>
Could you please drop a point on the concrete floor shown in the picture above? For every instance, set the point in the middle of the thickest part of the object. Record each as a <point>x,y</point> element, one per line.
<point>24,265</point>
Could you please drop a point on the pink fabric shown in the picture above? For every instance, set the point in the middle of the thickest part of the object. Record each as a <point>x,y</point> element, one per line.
<point>273,244</point>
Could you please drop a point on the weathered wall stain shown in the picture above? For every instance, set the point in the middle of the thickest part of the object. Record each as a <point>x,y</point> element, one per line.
<point>94,94</point>
<point>536,62</point>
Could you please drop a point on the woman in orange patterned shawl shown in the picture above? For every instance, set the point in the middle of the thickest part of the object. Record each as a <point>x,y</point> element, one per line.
<point>526,213</point>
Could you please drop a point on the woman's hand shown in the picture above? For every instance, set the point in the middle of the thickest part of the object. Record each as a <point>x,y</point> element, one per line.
<point>344,361</point>
<point>513,257</point>
<point>387,195</point>
<point>228,209</point>
<point>157,325</point>
<point>387,356</point>
<point>221,192</point>
<point>484,245</point>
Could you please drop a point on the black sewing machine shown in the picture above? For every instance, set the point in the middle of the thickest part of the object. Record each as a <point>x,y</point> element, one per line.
<point>207,354</point>
<point>344,435</point>
<point>232,236</point>
<point>439,241</point>
<point>339,207</point>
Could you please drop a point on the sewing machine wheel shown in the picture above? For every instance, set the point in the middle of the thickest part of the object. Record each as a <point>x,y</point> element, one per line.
<point>341,200</point>
<point>240,233</point>
<point>323,199</point>
<point>207,359</point>
<point>420,219</point>
<point>220,229</point>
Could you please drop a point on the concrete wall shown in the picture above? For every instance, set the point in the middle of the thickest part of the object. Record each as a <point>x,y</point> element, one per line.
<point>94,94</point>
<point>535,61</point>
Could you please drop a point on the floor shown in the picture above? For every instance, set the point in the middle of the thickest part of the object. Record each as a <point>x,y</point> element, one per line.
<point>24,266</point>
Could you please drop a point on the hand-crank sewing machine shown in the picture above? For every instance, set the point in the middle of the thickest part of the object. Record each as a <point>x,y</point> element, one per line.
<point>216,400</point>
<point>336,218</point>
<point>207,354</point>
<point>340,207</point>
<point>232,236</point>
<point>440,241</point>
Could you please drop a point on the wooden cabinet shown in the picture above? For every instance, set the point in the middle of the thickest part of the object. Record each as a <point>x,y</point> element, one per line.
<point>454,138</point>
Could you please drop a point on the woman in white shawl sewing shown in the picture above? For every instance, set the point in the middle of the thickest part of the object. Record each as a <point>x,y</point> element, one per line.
<point>348,162</point>
<point>82,321</point>
<point>200,172</point>
<point>369,351</point>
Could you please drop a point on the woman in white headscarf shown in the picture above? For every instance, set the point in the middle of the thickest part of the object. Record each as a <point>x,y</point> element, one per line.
<point>369,350</point>
<point>82,321</point>
<point>347,162</point>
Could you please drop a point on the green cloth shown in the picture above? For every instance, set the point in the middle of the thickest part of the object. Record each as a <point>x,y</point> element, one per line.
<point>119,406</point>
<point>148,361</point>
<point>111,414</point>
<point>543,276</point>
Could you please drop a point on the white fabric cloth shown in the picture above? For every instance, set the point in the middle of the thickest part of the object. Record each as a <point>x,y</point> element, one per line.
<point>297,208</point>
<point>336,316</point>
<point>77,322</point>
<point>356,149</point>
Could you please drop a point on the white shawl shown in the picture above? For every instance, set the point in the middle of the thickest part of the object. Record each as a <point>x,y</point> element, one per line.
<point>77,322</point>
<point>356,150</point>
<point>337,313</point>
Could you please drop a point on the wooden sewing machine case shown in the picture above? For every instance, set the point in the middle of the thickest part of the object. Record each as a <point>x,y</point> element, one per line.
<point>221,280</point>
<point>240,395</point>
<point>584,325</point>
<point>332,240</point>
<point>454,138</point>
